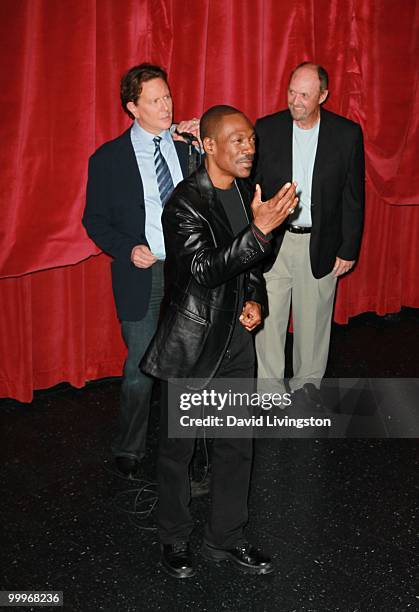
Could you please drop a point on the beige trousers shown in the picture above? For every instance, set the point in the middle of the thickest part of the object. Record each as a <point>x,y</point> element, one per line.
<point>291,282</point>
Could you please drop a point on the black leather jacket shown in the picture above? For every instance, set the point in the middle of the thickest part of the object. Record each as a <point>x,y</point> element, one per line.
<point>203,264</point>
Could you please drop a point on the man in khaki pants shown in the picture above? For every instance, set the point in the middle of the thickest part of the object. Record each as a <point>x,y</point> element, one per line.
<point>323,152</point>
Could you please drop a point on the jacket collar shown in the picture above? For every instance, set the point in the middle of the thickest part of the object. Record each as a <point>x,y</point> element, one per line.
<point>207,190</point>
<point>210,201</point>
<point>205,187</point>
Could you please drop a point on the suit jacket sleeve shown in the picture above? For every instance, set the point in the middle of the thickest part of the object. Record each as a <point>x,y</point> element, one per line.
<point>189,237</point>
<point>353,199</point>
<point>98,218</point>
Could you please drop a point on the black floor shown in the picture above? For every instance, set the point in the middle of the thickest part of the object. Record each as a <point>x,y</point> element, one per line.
<point>339,517</point>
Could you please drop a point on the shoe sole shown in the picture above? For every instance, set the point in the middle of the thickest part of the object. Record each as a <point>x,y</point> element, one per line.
<point>218,556</point>
<point>178,575</point>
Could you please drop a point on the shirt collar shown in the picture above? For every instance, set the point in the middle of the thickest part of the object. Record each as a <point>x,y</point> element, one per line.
<point>146,138</point>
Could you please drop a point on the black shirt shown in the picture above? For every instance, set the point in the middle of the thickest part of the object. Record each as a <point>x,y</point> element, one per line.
<point>237,216</point>
<point>234,208</point>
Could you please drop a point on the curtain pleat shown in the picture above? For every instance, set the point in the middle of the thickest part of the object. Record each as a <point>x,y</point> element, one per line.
<point>59,99</point>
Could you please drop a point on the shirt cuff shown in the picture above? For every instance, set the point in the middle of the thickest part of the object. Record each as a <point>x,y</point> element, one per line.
<point>260,235</point>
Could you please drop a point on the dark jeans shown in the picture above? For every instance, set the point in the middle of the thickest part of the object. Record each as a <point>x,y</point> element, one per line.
<point>136,386</point>
<point>231,468</point>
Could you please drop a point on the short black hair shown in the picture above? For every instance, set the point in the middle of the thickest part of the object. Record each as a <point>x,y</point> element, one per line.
<point>132,83</point>
<point>322,73</point>
<point>211,118</point>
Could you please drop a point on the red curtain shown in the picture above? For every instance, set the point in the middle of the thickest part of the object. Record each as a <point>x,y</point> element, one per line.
<point>61,65</point>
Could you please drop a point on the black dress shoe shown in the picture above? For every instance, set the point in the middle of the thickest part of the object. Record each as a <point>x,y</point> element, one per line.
<point>314,396</point>
<point>307,398</point>
<point>298,399</point>
<point>176,560</point>
<point>243,555</point>
<point>128,466</point>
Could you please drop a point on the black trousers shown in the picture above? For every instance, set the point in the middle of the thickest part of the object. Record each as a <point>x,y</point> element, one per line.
<point>231,467</point>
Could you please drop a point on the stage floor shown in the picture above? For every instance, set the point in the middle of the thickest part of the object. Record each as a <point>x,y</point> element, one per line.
<point>338,516</point>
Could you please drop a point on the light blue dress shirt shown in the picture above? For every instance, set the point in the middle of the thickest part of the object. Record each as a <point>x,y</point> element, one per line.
<point>144,147</point>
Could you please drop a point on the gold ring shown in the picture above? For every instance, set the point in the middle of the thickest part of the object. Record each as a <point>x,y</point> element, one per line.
<point>291,210</point>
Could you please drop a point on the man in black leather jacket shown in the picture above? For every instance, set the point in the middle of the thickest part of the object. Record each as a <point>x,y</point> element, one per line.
<point>215,240</point>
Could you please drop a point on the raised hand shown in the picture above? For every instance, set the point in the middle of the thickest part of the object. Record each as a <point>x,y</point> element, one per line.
<point>189,125</point>
<point>270,214</point>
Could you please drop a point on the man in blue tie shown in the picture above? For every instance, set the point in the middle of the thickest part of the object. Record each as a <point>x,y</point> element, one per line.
<point>130,179</point>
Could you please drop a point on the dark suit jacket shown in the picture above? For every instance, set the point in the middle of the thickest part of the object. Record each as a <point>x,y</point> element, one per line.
<point>337,189</point>
<point>114,218</point>
<point>204,263</point>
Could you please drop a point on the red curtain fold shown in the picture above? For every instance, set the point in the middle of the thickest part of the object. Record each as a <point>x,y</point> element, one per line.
<point>58,325</point>
<point>47,106</point>
<point>61,65</point>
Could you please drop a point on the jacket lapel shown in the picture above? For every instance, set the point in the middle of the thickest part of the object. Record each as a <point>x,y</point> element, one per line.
<point>243,185</point>
<point>213,206</point>
<point>182,153</point>
<point>284,144</point>
<point>322,156</point>
<point>129,168</point>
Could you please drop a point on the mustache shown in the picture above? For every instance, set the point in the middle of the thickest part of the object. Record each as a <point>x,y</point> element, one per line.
<point>246,158</point>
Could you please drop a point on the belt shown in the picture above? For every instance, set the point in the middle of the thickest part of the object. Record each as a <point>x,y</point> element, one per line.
<point>298,229</point>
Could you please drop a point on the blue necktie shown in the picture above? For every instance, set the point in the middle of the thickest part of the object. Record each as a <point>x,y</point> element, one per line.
<point>164,178</point>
